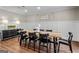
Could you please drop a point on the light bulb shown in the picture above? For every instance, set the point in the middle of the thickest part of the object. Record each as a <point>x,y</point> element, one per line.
<point>17,22</point>
<point>4,21</point>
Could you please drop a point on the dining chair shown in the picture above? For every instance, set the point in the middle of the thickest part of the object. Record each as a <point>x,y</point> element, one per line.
<point>33,38</point>
<point>66,42</point>
<point>43,38</point>
<point>23,38</point>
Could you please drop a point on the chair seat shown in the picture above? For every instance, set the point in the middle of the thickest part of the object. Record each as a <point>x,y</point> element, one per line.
<point>51,41</point>
<point>44,41</point>
<point>64,41</point>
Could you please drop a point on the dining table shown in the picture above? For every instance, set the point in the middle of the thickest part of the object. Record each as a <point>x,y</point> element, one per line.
<point>55,36</point>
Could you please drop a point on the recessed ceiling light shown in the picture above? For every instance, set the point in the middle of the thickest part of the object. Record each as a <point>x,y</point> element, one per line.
<point>4,21</point>
<point>38,8</point>
<point>17,22</point>
<point>26,10</point>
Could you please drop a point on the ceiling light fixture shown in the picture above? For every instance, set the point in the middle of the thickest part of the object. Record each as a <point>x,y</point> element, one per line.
<point>38,8</point>
<point>5,21</point>
<point>17,22</point>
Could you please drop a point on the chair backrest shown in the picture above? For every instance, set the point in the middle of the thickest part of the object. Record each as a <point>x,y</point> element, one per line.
<point>32,35</point>
<point>41,29</point>
<point>70,36</point>
<point>34,29</point>
<point>43,37</point>
<point>49,30</point>
<point>23,34</point>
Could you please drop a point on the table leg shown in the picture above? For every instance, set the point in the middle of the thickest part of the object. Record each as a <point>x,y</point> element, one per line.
<point>55,41</point>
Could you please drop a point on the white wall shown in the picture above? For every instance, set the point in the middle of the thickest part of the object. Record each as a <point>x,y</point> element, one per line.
<point>61,21</point>
<point>10,17</point>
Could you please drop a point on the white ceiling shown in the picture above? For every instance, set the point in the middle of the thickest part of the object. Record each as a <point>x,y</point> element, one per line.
<point>33,10</point>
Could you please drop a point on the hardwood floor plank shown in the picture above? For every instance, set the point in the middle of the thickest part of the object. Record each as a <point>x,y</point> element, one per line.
<point>12,46</point>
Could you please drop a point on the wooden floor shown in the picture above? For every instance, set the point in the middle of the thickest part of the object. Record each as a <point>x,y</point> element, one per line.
<point>12,46</point>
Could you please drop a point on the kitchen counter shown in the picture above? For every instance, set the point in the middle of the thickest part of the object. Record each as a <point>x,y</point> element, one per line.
<point>7,33</point>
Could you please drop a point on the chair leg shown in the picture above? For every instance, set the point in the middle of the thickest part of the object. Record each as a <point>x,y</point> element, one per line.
<point>20,42</point>
<point>34,45</point>
<point>70,48</point>
<point>25,42</point>
<point>29,43</point>
<point>39,46</point>
<point>43,44</point>
<point>47,47</point>
<point>58,47</point>
<point>50,47</point>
